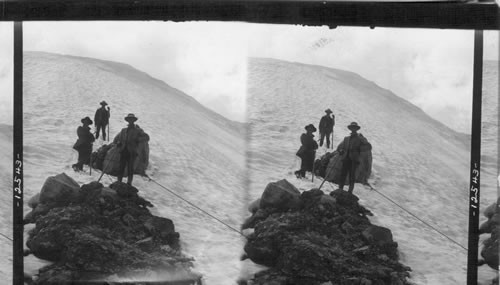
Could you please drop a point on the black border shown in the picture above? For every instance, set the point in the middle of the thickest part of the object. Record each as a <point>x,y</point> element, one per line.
<point>444,15</point>
<point>475,160</point>
<point>18,261</point>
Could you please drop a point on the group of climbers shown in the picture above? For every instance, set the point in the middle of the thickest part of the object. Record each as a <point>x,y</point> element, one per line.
<point>126,141</point>
<point>349,149</point>
<point>85,137</point>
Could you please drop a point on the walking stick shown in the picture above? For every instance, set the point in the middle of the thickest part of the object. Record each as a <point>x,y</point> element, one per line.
<point>331,142</point>
<point>314,164</point>
<point>326,175</point>
<point>109,123</point>
<point>105,166</point>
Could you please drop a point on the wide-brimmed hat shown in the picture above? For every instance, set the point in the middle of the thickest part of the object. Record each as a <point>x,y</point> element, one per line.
<point>354,126</point>
<point>103,103</point>
<point>328,111</point>
<point>310,126</point>
<point>130,117</point>
<point>86,119</point>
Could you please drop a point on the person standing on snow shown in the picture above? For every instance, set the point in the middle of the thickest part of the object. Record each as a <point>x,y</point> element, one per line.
<point>84,144</point>
<point>326,127</point>
<point>101,119</point>
<point>350,151</point>
<point>127,142</point>
<point>307,151</point>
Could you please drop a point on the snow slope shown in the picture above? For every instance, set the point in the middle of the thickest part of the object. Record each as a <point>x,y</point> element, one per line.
<point>417,162</point>
<point>489,130</point>
<point>195,152</point>
<point>6,135</point>
<point>489,150</point>
<point>221,167</point>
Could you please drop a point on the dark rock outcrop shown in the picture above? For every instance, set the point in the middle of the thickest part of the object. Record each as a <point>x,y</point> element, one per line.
<point>490,250</point>
<point>59,190</point>
<point>254,206</point>
<point>278,196</point>
<point>103,232</point>
<point>34,201</point>
<point>281,195</point>
<point>328,239</point>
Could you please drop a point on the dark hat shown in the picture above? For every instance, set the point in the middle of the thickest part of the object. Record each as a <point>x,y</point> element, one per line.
<point>87,119</point>
<point>328,111</point>
<point>103,103</point>
<point>310,126</point>
<point>130,117</point>
<point>353,126</point>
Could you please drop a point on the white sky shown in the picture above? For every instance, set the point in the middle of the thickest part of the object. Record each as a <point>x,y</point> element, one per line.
<point>432,68</point>
<point>6,72</point>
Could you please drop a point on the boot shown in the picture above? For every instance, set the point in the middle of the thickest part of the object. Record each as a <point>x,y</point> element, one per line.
<point>129,179</point>
<point>351,189</point>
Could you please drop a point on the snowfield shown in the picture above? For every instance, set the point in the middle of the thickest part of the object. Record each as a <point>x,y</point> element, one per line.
<point>418,162</point>
<point>193,151</point>
<point>221,166</point>
<point>6,165</point>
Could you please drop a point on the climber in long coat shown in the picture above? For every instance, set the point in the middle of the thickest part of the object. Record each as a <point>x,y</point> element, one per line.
<point>350,151</point>
<point>84,144</point>
<point>127,142</point>
<point>307,151</point>
<point>325,126</point>
<point>101,119</point>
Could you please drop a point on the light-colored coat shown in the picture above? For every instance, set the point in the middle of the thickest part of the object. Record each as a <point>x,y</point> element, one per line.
<point>350,147</point>
<point>129,138</point>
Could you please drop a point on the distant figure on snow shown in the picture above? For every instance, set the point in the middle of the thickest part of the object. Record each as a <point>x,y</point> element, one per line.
<point>350,150</point>
<point>84,144</point>
<point>127,142</point>
<point>307,151</point>
<point>326,127</point>
<point>101,119</point>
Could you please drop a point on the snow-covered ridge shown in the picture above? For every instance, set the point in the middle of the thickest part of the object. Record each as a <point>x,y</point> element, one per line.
<point>417,161</point>
<point>129,73</point>
<point>6,168</point>
<point>194,152</point>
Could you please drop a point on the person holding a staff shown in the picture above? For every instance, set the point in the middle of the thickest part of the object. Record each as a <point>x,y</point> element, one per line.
<point>101,120</point>
<point>307,151</point>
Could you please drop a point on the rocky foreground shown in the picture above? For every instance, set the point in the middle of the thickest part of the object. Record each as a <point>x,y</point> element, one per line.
<point>491,227</point>
<point>94,232</point>
<point>313,238</point>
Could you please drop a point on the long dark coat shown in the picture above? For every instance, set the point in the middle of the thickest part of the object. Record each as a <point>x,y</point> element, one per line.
<point>310,146</point>
<point>85,140</point>
<point>326,124</point>
<point>101,117</point>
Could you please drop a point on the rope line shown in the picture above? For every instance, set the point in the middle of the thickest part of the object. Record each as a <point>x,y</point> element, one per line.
<point>237,231</point>
<point>441,233</point>
<point>424,222</point>
<point>192,204</point>
<point>6,237</point>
